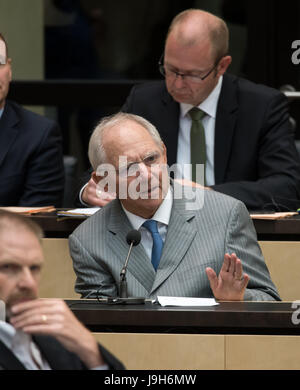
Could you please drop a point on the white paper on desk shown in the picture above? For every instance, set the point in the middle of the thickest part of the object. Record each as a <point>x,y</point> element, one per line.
<point>185,301</point>
<point>86,211</point>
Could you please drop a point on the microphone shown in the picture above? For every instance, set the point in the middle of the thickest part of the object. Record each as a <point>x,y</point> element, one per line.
<point>133,238</point>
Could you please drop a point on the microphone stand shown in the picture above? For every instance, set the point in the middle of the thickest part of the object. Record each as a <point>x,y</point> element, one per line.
<point>123,285</point>
<point>123,281</point>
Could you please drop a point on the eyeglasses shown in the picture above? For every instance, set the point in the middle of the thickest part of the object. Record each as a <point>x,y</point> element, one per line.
<point>148,161</point>
<point>2,60</point>
<point>167,72</point>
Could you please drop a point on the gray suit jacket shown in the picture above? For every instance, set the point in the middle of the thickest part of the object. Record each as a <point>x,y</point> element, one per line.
<point>195,239</point>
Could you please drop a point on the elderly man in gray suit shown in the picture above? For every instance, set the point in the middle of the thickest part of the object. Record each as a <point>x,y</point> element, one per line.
<point>191,248</point>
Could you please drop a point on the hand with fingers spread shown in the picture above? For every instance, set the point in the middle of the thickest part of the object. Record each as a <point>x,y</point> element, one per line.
<point>53,317</point>
<point>231,283</point>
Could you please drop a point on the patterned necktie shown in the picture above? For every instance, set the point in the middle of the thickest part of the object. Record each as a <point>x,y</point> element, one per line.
<point>158,244</point>
<point>198,146</point>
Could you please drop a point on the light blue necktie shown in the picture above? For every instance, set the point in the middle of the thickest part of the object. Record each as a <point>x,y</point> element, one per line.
<point>158,244</point>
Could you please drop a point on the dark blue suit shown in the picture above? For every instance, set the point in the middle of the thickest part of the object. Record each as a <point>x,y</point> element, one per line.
<point>31,159</point>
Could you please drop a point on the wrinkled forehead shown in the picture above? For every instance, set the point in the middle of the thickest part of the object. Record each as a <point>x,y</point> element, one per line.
<point>2,53</point>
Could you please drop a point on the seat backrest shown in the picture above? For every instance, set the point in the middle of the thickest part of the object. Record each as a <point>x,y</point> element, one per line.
<point>70,165</point>
<point>297,143</point>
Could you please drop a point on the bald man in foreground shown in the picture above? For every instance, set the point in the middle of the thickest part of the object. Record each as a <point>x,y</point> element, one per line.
<point>39,334</point>
<point>249,148</point>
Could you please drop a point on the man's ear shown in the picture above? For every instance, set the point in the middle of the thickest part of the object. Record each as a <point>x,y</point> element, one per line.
<point>224,64</point>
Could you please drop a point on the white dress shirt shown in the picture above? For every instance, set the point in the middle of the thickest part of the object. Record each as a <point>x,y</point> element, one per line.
<point>22,346</point>
<point>209,106</point>
<point>162,216</point>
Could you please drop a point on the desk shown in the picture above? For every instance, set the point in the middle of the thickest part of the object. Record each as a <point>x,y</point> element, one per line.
<point>225,318</point>
<point>56,227</point>
<point>287,229</point>
<point>232,335</point>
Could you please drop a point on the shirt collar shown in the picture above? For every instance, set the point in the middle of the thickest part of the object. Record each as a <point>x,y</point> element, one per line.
<point>1,112</point>
<point>161,215</point>
<point>209,105</point>
<point>12,337</point>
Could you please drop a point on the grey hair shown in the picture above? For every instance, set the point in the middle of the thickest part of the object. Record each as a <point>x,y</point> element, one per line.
<point>97,154</point>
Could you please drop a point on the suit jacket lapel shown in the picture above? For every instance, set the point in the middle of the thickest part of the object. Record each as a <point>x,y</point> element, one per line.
<point>169,125</point>
<point>51,350</point>
<point>139,265</point>
<point>225,126</point>
<point>179,238</point>
<point>8,129</point>
<point>8,360</point>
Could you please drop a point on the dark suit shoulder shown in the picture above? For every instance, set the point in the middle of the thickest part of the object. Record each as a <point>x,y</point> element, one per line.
<point>27,117</point>
<point>157,86</point>
<point>146,98</point>
<point>32,171</point>
<point>251,89</point>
